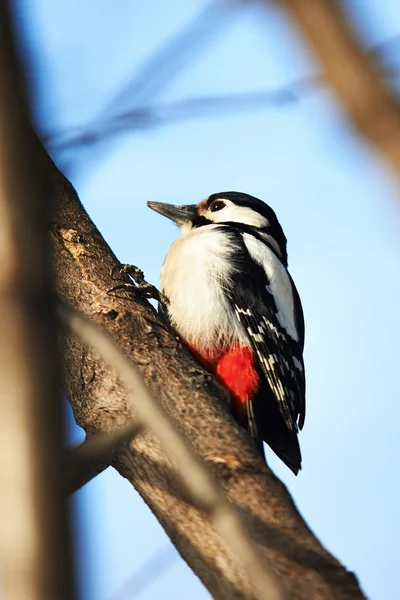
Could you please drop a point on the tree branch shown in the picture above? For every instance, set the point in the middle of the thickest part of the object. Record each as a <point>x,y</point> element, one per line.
<point>356,80</point>
<point>194,477</point>
<point>142,116</point>
<point>198,404</point>
<point>34,544</point>
<point>94,455</point>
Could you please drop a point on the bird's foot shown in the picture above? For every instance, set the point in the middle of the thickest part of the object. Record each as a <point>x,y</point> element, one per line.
<point>135,283</point>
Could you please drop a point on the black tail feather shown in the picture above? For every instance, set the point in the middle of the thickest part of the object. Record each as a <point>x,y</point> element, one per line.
<point>265,423</point>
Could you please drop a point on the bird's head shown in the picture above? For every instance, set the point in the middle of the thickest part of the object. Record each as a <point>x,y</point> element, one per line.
<point>235,208</point>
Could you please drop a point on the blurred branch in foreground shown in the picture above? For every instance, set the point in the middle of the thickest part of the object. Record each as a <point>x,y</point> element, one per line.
<point>364,95</point>
<point>34,545</point>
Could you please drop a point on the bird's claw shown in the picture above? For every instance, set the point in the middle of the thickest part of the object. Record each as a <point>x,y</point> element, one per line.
<point>133,272</point>
<point>140,287</point>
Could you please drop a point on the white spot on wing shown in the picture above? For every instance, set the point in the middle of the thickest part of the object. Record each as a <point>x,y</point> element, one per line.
<point>243,311</point>
<point>258,337</point>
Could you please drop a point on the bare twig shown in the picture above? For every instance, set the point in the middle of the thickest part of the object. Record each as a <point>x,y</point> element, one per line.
<point>364,95</point>
<point>173,56</point>
<point>34,548</point>
<point>94,455</point>
<point>161,68</point>
<point>193,474</point>
<point>141,116</point>
<point>158,114</point>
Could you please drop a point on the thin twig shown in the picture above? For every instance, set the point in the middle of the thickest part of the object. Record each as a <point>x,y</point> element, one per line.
<point>194,476</point>
<point>94,455</point>
<point>158,114</point>
<point>172,57</point>
<point>165,64</point>
<point>141,116</point>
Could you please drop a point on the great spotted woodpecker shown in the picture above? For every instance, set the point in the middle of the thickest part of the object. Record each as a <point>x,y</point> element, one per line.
<point>234,303</point>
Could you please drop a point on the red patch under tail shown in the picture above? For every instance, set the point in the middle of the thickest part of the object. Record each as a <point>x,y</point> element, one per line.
<point>235,369</point>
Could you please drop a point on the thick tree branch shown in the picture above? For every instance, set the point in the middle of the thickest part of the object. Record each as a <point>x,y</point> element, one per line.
<point>194,477</point>
<point>363,94</point>
<point>83,264</point>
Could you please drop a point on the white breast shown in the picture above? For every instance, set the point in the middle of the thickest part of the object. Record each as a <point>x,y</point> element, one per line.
<point>193,276</point>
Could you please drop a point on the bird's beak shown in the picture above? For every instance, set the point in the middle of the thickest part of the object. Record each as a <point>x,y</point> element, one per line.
<point>179,214</point>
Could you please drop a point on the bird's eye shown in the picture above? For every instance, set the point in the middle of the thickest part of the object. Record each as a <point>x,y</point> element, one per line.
<point>217,205</point>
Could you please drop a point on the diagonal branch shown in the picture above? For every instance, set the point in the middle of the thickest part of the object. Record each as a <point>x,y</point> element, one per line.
<point>363,94</point>
<point>83,263</point>
<point>193,475</point>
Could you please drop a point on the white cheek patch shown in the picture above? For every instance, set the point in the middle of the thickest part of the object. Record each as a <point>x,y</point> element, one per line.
<point>237,214</point>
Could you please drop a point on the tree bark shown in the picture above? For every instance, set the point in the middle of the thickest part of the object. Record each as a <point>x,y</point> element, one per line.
<point>83,261</point>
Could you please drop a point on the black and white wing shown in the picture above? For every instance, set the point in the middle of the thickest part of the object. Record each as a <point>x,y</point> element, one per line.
<point>269,309</point>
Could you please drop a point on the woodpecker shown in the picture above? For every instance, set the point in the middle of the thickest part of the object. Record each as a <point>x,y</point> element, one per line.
<point>234,304</point>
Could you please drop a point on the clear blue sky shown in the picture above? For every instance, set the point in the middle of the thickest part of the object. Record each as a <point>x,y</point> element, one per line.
<point>340,211</point>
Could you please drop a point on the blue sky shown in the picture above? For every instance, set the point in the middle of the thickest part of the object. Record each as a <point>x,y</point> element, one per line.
<point>339,208</point>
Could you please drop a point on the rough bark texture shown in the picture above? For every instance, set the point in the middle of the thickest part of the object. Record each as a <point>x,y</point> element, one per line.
<point>83,261</point>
